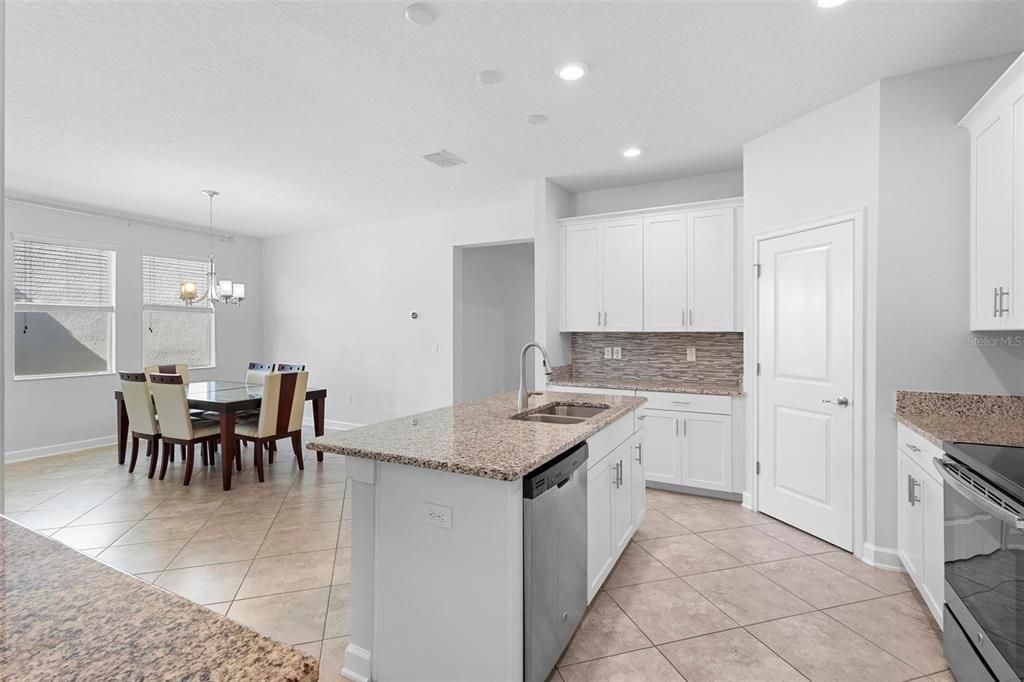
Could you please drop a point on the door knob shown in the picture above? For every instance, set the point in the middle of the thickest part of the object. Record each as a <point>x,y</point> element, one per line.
<point>841,401</point>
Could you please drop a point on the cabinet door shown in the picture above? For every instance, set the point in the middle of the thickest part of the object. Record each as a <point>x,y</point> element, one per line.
<point>1015,302</point>
<point>992,225</point>
<point>707,451</point>
<point>582,304</point>
<point>622,503</point>
<point>933,551</point>
<point>599,524</point>
<point>662,457</point>
<point>665,303</point>
<point>911,515</point>
<point>710,271</point>
<point>638,487</point>
<point>623,276</point>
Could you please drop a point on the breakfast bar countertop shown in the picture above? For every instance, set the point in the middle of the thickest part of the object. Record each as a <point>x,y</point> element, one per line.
<point>655,386</point>
<point>477,438</point>
<point>68,616</point>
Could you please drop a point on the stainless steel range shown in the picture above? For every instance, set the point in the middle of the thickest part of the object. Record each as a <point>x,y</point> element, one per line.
<point>983,624</point>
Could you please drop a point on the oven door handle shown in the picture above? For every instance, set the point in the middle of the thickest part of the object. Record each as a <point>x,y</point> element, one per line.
<point>988,505</point>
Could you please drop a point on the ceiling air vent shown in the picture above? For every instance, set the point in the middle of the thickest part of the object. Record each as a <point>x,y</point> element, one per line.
<point>444,159</point>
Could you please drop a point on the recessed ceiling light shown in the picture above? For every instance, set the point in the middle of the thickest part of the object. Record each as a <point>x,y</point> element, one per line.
<point>536,119</point>
<point>490,77</point>
<point>632,152</point>
<point>572,71</point>
<point>419,14</point>
<point>829,4</point>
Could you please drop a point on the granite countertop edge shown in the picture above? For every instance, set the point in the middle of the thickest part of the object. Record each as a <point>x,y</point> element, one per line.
<point>908,421</point>
<point>654,387</point>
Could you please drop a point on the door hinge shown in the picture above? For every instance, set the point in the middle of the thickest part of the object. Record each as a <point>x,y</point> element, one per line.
<point>757,468</point>
<point>757,269</point>
<point>758,369</point>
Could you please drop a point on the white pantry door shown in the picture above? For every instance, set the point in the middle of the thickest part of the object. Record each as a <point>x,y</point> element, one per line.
<point>806,351</point>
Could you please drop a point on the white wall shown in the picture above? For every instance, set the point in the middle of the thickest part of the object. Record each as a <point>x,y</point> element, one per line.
<point>550,202</point>
<point>494,318</point>
<point>339,300</point>
<point>723,185</point>
<point>64,414</point>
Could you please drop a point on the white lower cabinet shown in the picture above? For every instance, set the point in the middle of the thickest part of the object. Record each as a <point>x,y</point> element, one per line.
<point>921,519</point>
<point>615,506</point>
<point>662,446</point>
<point>688,448</point>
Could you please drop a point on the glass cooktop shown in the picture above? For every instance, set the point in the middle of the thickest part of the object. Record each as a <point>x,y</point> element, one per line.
<point>1001,465</point>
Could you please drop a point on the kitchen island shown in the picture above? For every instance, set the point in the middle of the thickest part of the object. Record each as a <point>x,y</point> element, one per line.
<point>66,616</point>
<point>437,528</point>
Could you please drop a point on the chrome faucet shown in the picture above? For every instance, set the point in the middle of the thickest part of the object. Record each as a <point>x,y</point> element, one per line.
<point>524,395</point>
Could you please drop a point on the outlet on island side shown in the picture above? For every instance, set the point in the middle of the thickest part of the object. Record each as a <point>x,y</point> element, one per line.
<point>438,515</point>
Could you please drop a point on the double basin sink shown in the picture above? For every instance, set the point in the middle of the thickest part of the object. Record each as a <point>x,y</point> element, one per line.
<point>560,413</point>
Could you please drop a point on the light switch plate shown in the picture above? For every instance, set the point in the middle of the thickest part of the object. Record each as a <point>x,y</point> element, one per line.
<point>607,353</point>
<point>438,515</point>
<point>617,353</point>
<point>691,354</point>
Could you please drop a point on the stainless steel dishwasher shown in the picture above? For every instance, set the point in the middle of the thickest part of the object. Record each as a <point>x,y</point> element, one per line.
<point>554,559</point>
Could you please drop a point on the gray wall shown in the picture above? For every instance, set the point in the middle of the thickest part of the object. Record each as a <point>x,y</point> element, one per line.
<point>494,319</point>
<point>63,414</point>
<point>722,185</point>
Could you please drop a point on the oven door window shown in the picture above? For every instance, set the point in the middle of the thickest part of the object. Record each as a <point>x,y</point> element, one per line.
<point>985,570</point>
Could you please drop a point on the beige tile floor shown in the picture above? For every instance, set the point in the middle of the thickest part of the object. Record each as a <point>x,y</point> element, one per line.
<point>706,591</point>
<point>274,555</point>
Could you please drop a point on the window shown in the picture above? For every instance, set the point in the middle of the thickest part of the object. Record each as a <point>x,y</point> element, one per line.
<point>172,332</point>
<point>63,309</point>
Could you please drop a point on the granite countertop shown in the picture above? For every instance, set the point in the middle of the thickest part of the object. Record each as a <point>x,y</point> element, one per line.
<point>694,388</point>
<point>476,438</point>
<point>965,417</point>
<point>66,616</point>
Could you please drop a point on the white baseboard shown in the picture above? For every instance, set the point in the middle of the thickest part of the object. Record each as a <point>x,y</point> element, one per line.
<point>332,424</point>
<point>59,448</point>
<point>357,664</point>
<point>748,501</point>
<point>882,557</point>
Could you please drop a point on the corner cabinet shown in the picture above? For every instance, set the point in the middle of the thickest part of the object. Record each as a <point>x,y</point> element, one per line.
<point>996,125</point>
<point>667,269</point>
<point>920,514</point>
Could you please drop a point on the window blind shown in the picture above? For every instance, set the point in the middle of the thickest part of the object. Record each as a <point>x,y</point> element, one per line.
<point>57,274</point>
<point>162,278</point>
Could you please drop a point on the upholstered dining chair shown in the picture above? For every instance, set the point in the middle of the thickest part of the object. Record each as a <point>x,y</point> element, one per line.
<point>256,371</point>
<point>141,415</point>
<point>181,369</point>
<point>284,400</point>
<point>177,426</point>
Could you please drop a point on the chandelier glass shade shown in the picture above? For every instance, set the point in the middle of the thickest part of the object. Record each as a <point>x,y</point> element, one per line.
<point>214,290</point>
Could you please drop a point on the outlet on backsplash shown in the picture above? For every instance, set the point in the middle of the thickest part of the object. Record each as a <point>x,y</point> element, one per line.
<point>608,353</point>
<point>691,355</point>
<point>616,353</point>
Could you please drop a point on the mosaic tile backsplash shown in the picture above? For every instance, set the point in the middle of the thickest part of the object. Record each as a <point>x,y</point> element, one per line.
<point>658,357</point>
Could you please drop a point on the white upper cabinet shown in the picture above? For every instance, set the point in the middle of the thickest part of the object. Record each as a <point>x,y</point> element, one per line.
<point>660,270</point>
<point>623,276</point>
<point>711,271</point>
<point>996,125</point>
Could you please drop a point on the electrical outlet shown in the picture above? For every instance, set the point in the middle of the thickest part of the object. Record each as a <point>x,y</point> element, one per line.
<point>435,349</point>
<point>607,353</point>
<point>691,354</point>
<point>617,353</point>
<point>348,398</point>
<point>438,515</point>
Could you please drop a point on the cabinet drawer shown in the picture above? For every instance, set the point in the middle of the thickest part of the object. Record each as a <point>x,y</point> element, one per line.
<point>687,402</point>
<point>919,449</point>
<point>608,438</point>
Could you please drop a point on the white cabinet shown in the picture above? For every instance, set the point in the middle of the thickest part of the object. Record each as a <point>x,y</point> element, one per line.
<point>603,272</point>
<point>687,447</point>
<point>670,269</point>
<point>996,125</point>
<point>615,505</point>
<point>920,517</point>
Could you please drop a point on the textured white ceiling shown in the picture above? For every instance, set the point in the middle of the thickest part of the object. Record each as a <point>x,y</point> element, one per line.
<point>311,115</point>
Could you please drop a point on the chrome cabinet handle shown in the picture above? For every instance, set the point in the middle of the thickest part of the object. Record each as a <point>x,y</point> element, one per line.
<point>640,454</point>
<point>683,312</point>
<point>1003,309</point>
<point>913,448</point>
<point>684,427</point>
<point>677,426</point>
<point>641,417</point>
<point>606,318</point>
<point>912,485</point>
<point>680,402</point>
<point>995,301</point>
<point>691,317</point>
<point>841,401</point>
<point>598,318</point>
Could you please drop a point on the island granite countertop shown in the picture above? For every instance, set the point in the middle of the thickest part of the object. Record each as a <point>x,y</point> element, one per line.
<point>477,438</point>
<point>656,386</point>
<point>66,616</point>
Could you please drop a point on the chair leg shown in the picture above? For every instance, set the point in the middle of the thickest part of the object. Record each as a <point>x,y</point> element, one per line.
<point>153,451</point>
<point>238,459</point>
<point>297,449</point>
<point>202,453</point>
<point>271,448</point>
<point>168,454</point>
<point>135,454</point>
<point>190,455</point>
<point>258,453</point>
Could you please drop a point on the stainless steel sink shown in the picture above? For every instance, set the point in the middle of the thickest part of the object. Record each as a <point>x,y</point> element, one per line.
<point>561,413</point>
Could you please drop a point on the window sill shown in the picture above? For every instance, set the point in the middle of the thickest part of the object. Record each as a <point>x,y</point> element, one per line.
<point>70,375</point>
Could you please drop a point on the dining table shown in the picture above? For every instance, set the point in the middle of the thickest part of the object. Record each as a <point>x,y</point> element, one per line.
<point>226,399</point>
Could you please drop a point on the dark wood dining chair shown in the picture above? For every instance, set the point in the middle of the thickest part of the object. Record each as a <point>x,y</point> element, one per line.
<point>281,412</point>
<point>141,415</point>
<point>177,426</point>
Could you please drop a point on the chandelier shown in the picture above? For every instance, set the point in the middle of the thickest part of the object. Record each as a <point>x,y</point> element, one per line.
<point>223,291</point>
